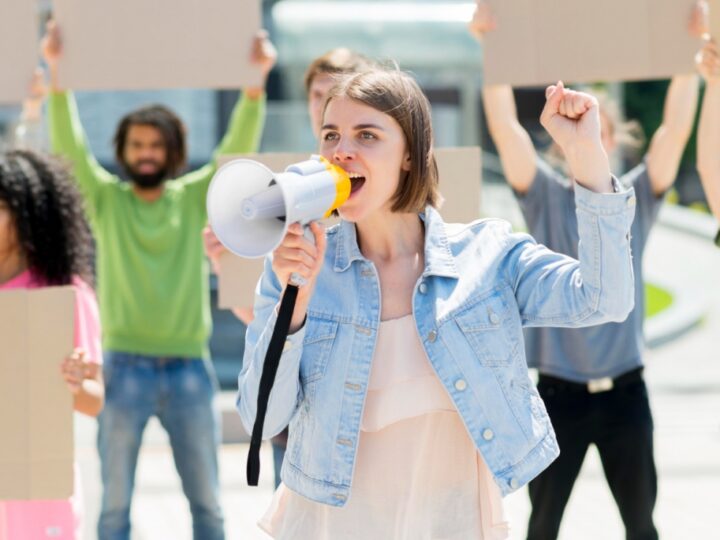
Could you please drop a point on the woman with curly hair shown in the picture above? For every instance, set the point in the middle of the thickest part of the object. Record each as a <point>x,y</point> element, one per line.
<point>45,241</point>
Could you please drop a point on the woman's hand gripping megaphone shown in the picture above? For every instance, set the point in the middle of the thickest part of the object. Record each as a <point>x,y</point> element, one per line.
<point>299,259</point>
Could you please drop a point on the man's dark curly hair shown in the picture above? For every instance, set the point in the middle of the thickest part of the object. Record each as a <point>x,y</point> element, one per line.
<point>167,123</point>
<point>48,215</point>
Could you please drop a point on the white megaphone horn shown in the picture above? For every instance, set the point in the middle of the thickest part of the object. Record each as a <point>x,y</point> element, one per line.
<point>250,207</point>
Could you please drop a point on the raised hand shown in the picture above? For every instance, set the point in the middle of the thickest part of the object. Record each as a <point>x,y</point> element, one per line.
<point>32,104</point>
<point>707,61</point>
<point>699,25</point>
<point>570,117</point>
<point>51,49</point>
<point>263,53</point>
<point>483,20</point>
<point>51,44</point>
<point>573,121</point>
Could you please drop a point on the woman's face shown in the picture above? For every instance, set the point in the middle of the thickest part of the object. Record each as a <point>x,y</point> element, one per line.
<point>370,145</point>
<point>8,234</point>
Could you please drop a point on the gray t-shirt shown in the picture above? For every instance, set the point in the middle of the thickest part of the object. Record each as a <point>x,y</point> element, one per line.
<point>607,350</point>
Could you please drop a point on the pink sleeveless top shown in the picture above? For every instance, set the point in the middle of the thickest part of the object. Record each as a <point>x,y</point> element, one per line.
<point>417,476</point>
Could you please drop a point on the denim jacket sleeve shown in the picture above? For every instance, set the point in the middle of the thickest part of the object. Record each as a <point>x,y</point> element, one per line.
<point>556,290</point>
<point>286,392</point>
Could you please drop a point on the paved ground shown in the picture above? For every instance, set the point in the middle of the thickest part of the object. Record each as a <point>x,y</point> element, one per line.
<point>684,381</point>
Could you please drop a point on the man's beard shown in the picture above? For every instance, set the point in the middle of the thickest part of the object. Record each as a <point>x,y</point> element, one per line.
<point>146,180</point>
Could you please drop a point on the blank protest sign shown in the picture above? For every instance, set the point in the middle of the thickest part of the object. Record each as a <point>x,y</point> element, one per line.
<point>18,48</point>
<point>152,44</point>
<point>543,41</point>
<point>36,408</point>
<point>715,19</point>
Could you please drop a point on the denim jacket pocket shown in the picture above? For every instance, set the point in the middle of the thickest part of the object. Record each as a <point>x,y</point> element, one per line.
<point>317,346</point>
<point>487,326</point>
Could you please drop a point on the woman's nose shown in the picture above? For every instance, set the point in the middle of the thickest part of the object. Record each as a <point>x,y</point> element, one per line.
<point>343,153</point>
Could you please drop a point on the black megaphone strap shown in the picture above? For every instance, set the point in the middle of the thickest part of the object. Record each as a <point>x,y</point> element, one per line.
<point>267,379</point>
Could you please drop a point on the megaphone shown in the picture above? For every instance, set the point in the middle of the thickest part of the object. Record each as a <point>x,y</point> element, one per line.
<point>250,207</point>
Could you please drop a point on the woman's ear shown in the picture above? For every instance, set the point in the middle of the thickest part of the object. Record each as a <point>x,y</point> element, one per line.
<point>406,163</point>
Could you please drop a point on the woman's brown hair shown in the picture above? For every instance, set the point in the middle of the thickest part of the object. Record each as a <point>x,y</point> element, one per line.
<point>398,95</point>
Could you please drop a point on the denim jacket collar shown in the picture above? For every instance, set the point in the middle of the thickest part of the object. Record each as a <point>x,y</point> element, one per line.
<point>438,258</point>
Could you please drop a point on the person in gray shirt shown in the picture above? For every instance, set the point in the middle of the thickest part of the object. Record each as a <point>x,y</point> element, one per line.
<point>591,378</point>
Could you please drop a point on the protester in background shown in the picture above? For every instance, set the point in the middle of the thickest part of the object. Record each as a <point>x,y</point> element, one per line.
<point>708,149</point>
<point>403,376</point>
<point>45,241</point>
<point>319,79</point>
<point>591,379</point>
<point>153,288</point>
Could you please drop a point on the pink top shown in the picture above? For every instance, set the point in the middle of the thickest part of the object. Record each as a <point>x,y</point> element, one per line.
<point>418,475</point>
<point>27,518</point>
<point>87,316</point>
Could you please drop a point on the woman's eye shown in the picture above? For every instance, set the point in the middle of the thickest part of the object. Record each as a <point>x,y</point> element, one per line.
<point>367,136</point>
<point>330,136</point>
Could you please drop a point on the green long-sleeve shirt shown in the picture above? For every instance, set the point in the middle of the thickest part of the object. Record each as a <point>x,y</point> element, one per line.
<point>151,271</point>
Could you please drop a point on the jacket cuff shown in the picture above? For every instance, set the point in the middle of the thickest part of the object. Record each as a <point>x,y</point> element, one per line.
<point>620,201</point>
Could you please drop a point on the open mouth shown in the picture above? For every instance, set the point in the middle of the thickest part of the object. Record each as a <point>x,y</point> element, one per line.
<point>356,182</point>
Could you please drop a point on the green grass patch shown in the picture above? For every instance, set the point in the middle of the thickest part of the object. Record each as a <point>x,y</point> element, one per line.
<point>656,300</point>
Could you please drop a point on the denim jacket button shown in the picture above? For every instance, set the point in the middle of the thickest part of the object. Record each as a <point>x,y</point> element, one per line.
<point>432,336</point>
<point>514,484</point>
<point>494,318</point>
<point>460,385</point>
<point>488,434</point>
<point>423,288</point>
<point>631,201</point>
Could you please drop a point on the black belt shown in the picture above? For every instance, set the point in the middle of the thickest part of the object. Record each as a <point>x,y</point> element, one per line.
<point>593,386</point>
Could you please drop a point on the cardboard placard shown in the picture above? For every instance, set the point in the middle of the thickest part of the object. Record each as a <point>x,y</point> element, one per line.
<point>460,179</point>
<point>36,408</point>
<point>715,19</point>
<point>542,41</point>
<point>18,48</point>
<point>141,44</point>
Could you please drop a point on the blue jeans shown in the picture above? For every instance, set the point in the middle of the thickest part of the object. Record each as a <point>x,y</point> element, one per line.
<point>180,393</point>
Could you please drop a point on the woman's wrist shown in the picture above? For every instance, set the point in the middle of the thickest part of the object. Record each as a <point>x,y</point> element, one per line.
<point>590,167</point>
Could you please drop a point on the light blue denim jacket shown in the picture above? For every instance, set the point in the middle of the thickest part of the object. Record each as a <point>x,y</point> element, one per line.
<point>481,284</point>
